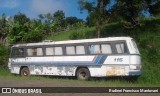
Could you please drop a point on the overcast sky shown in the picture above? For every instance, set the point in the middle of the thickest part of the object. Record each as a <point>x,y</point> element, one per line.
<point>32,8</point>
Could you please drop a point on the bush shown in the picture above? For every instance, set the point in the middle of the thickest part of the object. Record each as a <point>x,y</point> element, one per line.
<point>150,52</point>
<point>34,36</point>
<point>4,54</point>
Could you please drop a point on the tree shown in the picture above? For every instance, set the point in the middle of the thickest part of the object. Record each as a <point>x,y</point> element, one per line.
<point>19,29</point>
<point>53,22</point>
<point>47,18</point>
<point>98,12</point>
<point>90,20</point>
<point>3,29</point>
<point>59,18</point>
<point>153,7</point>
<point>21,18</point>
<point>130,10</point>
<point>72,20</point>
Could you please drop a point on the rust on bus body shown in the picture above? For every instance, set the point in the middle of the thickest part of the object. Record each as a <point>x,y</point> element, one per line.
<point>115,71</point>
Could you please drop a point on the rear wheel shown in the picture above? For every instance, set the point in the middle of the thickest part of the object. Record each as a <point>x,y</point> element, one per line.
<point>83,74</point>
<point>25,72</point>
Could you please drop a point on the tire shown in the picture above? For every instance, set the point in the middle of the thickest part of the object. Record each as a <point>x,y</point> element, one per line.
<point>83,74</point>
<point>25,72</point>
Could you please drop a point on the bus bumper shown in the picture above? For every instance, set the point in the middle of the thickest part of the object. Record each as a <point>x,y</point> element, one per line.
<point>135,73</point>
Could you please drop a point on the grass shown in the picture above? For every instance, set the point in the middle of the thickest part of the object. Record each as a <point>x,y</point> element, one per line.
<point>94,82</point>
<point>4,72</point>
<point>83,33</point>
<point>59,36</point>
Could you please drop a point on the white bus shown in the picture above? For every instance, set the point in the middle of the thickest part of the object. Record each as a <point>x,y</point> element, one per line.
<point>101,57</point>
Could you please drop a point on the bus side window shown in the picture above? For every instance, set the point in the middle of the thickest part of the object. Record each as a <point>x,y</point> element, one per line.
<point>58,50</point>
<point>106,49</point>
<point>120,47</point>
<point>94,49</point>
<point>80,50</point>
<point>18,52</point>
<point>70,50</point>
<point>39,52</point>
<point>49,51</point>
<point>29,52</point>
<point>34,52</point>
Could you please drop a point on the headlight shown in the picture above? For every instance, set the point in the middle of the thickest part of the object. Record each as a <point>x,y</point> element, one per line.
<point>135,67</point>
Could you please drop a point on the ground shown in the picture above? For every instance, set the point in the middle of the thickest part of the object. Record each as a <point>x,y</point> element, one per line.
<point>16,81</point>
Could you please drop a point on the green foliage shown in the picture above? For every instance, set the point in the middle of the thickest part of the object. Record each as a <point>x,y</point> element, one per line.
<point>4,54</point>
<point>82,33</point>
<point>154,6</point>
<point>59,18</point>
<point>21,18</point>
<point>72,20</point>
<point>98,13</point>
<point>59,36</point>
<point>4,29</point>
<point>150,53</point>
<point>21,29</point>
<point>34,36</point>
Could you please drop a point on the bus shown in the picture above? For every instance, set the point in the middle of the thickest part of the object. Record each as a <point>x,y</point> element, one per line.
<point>99,57</point>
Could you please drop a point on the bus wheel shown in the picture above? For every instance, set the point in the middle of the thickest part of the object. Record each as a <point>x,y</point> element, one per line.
<point>83,74</point>
<point>25,71</point>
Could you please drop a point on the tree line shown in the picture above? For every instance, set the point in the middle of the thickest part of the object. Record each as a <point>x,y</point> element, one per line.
<point>21,29</point>
<point>129,12</point>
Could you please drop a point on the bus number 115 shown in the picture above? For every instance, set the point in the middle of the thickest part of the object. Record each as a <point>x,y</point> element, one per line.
<point>118,59</point>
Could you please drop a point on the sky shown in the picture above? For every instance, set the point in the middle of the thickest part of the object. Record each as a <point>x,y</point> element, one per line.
<point>32,8</point>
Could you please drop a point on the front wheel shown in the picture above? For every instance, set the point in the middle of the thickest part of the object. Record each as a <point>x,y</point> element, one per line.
<point>25,72</point>
<point>83,74</point>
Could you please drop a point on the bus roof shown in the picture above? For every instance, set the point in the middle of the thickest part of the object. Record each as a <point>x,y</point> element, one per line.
<point>50,42</point>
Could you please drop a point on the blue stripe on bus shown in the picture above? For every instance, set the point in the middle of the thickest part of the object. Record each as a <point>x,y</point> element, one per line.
<point>102,59</point>
<point>99,59</point>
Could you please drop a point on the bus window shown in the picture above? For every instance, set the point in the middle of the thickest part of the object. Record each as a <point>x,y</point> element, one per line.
<point>58,50</point>
<point>120,47</point>
<point>80,50</point>
<point>94,49</point>
<point>34,52</point>
<point>39,52</point>
<point>106,49</point>
<point>29,52</point>
<point>49,51</point>
<point>18,52</point>
<point>70,50</point>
